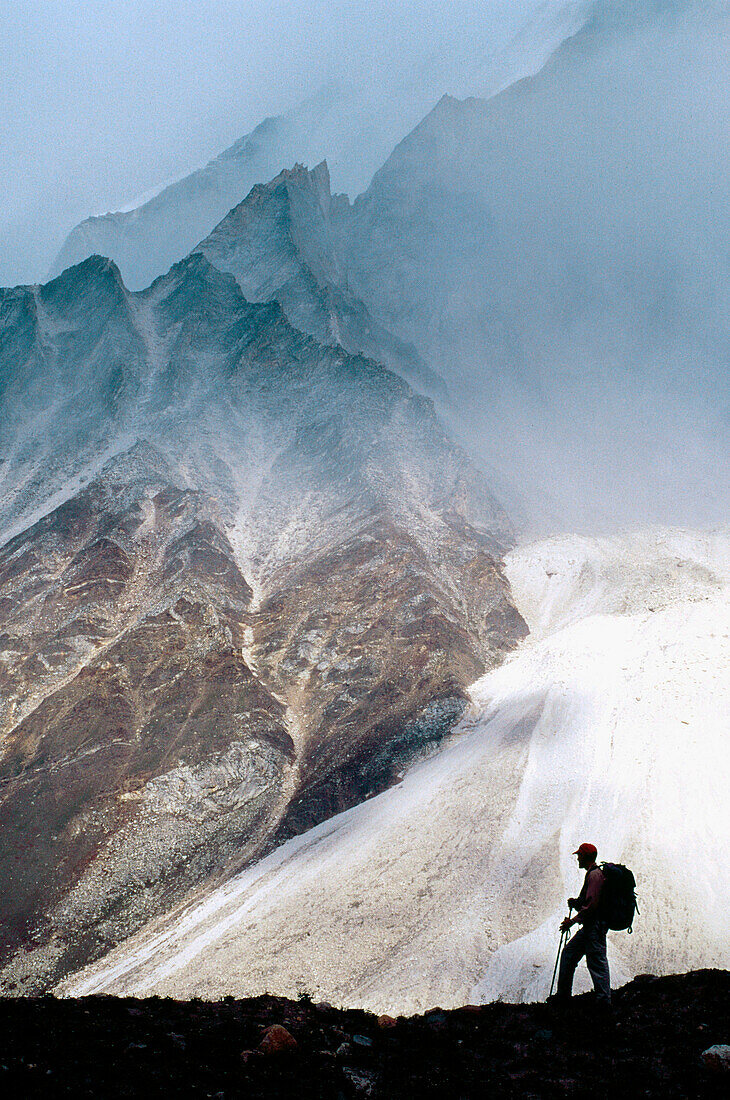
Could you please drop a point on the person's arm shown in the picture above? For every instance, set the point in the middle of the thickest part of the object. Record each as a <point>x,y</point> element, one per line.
<point>569,921</point>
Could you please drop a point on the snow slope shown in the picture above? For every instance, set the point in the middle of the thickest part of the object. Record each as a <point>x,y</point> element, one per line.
<point>610,724</point>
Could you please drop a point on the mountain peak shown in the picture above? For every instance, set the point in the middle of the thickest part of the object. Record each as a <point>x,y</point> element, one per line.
<point>289,181</point>
<point>280,229</point>
<point>193,285</point>
<point>196,265</point>
<point>95,271</point>
<point>282,243</point>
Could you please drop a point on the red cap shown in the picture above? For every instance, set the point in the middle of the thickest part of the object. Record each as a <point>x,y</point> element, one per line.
<point>586,850</point>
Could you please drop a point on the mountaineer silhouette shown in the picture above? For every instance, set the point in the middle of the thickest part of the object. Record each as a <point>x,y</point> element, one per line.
<point>606,901</point>
<point>590,940</point>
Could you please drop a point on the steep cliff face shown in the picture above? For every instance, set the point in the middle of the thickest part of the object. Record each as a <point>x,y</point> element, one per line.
<point>246,578</point>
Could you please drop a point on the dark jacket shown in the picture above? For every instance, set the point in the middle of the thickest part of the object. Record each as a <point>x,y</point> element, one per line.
<point>588,900</point>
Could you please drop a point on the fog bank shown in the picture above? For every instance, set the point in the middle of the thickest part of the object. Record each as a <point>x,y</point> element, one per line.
<point>103,103</point>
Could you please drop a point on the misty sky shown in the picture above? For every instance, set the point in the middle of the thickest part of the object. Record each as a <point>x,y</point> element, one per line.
<point>104,100</point>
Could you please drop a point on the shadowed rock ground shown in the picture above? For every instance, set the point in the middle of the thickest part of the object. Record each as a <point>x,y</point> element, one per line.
<point>110,1047</point>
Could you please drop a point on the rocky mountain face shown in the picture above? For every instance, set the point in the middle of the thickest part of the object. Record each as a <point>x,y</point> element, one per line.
<point>280,243</point>
<point>555,253</point>
<point>245,579</point>
<point>140,748</point>
<point>283,243</point>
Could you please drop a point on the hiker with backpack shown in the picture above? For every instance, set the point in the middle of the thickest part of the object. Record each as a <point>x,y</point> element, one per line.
<point>606,901</point>
<point>590,940</point>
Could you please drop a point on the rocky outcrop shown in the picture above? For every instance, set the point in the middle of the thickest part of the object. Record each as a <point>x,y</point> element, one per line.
<point>246,578</point>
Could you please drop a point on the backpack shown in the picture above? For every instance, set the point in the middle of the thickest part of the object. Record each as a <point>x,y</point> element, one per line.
<point>618,899</point>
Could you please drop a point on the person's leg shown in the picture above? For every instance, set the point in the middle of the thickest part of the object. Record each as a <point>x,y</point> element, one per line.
<point>573,952</point>
<point>597,962</point>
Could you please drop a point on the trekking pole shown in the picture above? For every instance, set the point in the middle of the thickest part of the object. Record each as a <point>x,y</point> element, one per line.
<point>563,936</point>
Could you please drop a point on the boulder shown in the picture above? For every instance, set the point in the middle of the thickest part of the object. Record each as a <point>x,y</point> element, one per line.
<point>277,1040</point>
<point>386,1022</point>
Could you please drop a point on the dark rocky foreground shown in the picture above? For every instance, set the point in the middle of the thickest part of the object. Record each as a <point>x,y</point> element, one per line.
<point>103,1046</point>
